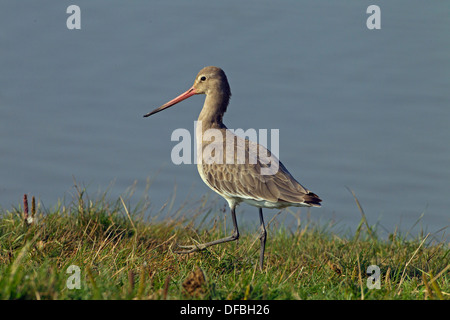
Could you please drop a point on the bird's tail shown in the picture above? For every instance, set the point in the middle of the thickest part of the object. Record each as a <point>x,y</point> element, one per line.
<point>312,199</point>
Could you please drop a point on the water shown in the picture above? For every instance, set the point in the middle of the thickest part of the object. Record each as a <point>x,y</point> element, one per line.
<point>367,110</point>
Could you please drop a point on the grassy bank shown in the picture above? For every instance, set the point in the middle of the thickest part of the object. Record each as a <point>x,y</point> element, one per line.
<point>107,250</point>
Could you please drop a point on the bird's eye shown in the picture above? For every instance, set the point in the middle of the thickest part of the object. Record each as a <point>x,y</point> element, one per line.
<point>203,78</point>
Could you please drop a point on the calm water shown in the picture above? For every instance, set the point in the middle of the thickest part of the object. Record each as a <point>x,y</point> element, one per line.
<point>367,110</point>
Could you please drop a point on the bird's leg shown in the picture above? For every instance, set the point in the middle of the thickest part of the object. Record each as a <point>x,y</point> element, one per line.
<point>202,246</point>
<point>262,238</point>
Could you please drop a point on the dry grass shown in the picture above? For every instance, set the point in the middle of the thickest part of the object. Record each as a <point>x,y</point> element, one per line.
<point>122,254</point>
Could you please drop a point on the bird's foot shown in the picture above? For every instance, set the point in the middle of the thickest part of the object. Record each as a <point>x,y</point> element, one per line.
<point>190,248</point>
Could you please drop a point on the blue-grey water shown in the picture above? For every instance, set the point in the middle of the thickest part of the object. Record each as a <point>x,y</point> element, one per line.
<point>357,108</point>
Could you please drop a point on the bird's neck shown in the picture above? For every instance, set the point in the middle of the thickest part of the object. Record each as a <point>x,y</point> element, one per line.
<point>213,109</point>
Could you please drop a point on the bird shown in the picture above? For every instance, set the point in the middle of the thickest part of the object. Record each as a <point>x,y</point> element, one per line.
<point>247,180</point>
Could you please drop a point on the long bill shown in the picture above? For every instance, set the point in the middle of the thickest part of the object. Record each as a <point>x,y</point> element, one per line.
<point>172,102</point>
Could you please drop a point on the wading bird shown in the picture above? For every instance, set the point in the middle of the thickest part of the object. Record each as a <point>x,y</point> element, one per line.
<point>235,180</point>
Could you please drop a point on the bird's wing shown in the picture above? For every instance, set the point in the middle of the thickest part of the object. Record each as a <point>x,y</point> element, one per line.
<point>248,180</point>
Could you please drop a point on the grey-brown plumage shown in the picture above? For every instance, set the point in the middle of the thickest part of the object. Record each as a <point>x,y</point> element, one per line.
<point>238,169</point>
<point>243,182</point>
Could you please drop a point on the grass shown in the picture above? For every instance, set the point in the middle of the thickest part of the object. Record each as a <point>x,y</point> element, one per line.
<point>120,253</point>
